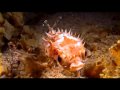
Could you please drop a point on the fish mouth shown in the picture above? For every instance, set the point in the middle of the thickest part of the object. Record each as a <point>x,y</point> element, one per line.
<point>76,66</point>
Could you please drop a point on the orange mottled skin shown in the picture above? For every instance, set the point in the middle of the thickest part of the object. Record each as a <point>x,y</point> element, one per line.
<point>68,48</point>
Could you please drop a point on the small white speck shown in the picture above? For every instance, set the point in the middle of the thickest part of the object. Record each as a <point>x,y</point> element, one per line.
<point>60,17</point>
<point>43,25</point>
<point>45,21</point>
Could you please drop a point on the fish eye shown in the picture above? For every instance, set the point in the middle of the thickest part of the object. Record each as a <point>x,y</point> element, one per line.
<point>59,59</point>
<point>85,53</point>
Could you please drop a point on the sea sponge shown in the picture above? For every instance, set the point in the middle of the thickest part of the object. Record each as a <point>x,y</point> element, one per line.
<point>112,66</point>
<point>3,68</point>
<point>115,52</point>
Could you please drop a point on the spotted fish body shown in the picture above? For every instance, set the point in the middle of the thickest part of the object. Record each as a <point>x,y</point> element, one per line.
<point>66,48</point>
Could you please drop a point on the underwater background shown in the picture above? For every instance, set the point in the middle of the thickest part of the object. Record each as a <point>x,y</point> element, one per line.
<point>22,51</point>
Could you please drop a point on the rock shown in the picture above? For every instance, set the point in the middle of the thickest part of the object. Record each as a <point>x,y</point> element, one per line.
<point>15,18</point>
<point>1,18</point>
<point>9,30</point>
